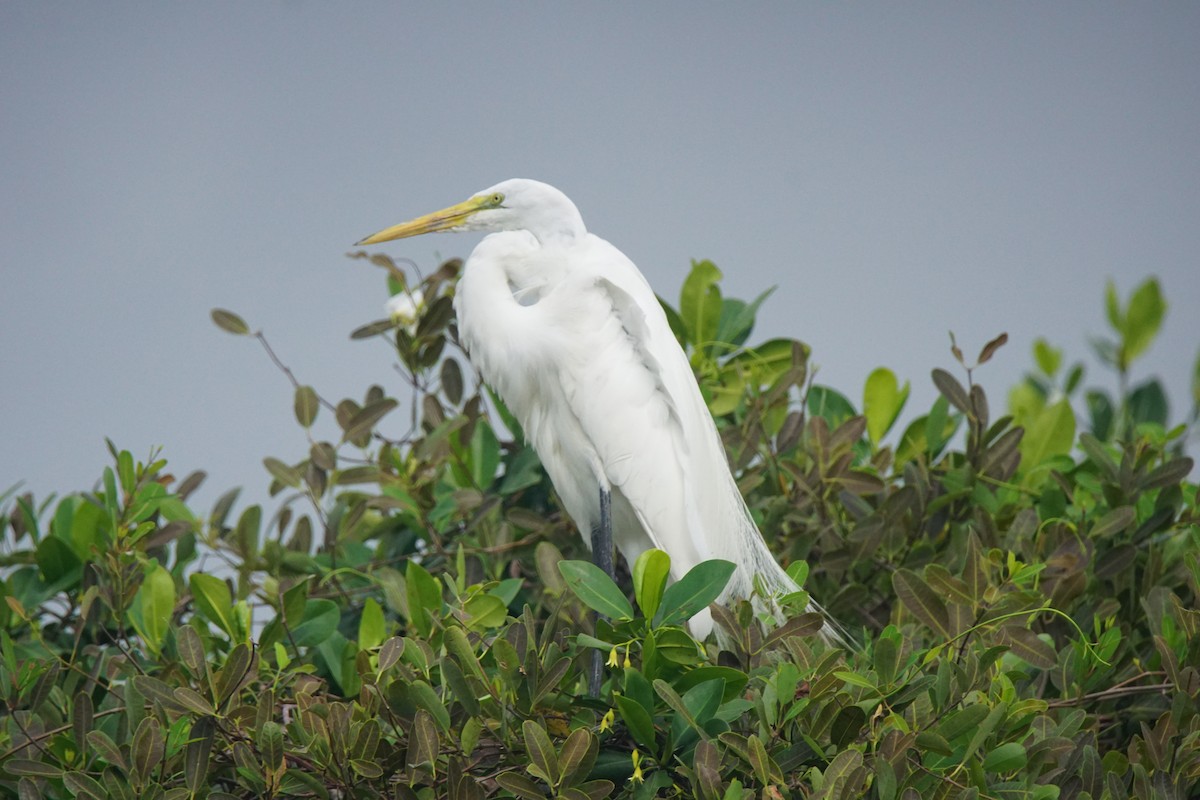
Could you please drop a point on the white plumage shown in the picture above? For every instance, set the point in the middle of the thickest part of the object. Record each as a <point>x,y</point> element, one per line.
<point>569,333</point>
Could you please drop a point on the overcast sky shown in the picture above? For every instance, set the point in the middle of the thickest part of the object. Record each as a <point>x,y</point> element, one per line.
<point>897,170</point>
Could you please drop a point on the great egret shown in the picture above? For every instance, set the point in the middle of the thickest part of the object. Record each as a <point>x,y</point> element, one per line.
<point>569,333</point>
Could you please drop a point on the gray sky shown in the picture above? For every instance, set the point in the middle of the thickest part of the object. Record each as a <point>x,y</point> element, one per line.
<point>897,170</point>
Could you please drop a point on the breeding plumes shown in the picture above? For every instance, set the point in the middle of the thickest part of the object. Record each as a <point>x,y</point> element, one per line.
<point>569,333</point>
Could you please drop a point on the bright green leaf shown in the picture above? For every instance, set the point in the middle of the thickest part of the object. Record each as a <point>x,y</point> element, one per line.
<point>1143,318</point>
<point>883,399</point>
<point>650,579</point>
<point>371,626</point>
<point>153,606</point>
<point>700,303</point>
<point>211,595</point>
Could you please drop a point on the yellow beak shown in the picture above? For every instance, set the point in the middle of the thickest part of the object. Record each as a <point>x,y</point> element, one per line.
<point>444,220</point>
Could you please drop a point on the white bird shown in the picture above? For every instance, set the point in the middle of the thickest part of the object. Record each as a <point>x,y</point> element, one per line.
<point>571,336</point>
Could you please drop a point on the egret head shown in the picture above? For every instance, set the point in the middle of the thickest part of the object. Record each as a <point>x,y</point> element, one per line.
<point>513,205</point>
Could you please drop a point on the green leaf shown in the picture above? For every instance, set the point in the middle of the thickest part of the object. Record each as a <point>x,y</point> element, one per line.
<point>306,405</point>
<point>700,303</point>
<point>1143,318</point>
<point>965,720</point>
<point>830,404</point>
<point>371,626</point>
<point>650,574</point>
<point>197,752</point>
<point>424,743</point>
<point>696,590</point>
<point>233,672</point>
<point>638,720</point>
<point>485,611</point>
<point>543,762</point>
<point>103,744</point>
<point>952,390</point>
<point>1114,522</point>
<point>737,318</point>
<point>153,606</point>
<point>57,561</point>
<point>362,422</point>
<point>577,756</point>
<point>424,595</point>
<point>211,595</point>
<point>1008,757</point>
<point>1048,358</point>
<point>230,322</point>
<point>485,455</point>
<point>84,786</point>
<point>883,399</point>
<point>1112,306</point>
<point>148,747</point>
<point>521,786</point>
<point>281,472</point>
<point>921,601</point>
<point>759,760</point>
<point>1026,644</point>
<point>1196,381</point>
<point>37,769</point>
<point>1050,433</point>
<point>595,589</point>
<point>735,680</point>
<point>1148,403</point>
<point>1101,414</point>
<point>320,619</point>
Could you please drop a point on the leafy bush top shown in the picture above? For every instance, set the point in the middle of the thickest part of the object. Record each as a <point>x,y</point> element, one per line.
<point>415,620</point>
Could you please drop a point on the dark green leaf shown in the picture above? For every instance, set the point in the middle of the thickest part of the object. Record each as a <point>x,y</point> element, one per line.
<point>1008,757</point>
<point>595,589</point>
<point>320,619</point>
<point>306,405</point>
<point>637,720</point>
<point>106,748</point>
<point>921,601</point>
<point>39,769</point>
<point>543,762</point>
<point>952,390</point>
<point>197,752</point>
<point>521,786</point>
<point>1026,644</point>
<point>452,380</point>
<point>230,322</point>
<point>363,421</point>
<point>1116,521</point>
<point>84,786</point>
<point>578,755</point>
<point>696,590</point>
<point>148,747</point>
<point>1148,403</point>
<point>270,745</point>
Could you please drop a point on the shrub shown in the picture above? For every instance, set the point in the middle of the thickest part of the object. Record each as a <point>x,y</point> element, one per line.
<point>1023,587</point>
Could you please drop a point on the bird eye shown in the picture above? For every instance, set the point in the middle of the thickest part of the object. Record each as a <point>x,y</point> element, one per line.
<point>497,199</point>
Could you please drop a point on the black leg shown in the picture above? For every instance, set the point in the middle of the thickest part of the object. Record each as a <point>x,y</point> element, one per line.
<point>602,541</point>
<point>602,554</point>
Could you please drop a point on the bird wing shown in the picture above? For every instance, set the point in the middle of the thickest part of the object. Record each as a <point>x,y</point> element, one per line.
<point>658,441</point>
<point>636,399</point>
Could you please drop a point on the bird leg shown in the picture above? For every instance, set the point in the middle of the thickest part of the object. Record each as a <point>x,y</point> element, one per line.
<point>602,554</point>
